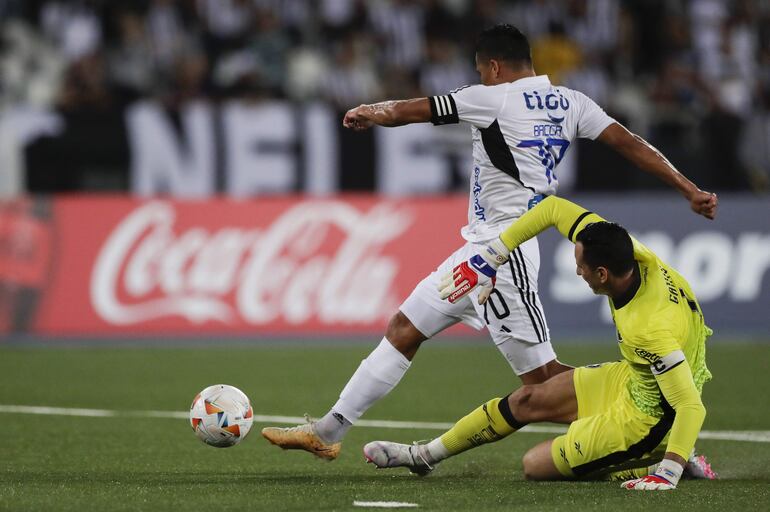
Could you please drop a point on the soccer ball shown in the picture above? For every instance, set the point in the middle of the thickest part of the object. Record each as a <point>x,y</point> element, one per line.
<point>221,415</point>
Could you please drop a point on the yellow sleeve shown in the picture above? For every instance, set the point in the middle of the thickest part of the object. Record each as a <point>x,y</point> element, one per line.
<point>564,215</point>
<point>680,392</point>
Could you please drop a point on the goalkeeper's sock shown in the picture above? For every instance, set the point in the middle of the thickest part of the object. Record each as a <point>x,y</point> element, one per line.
<point>380,372</point>
<point>487,424</point>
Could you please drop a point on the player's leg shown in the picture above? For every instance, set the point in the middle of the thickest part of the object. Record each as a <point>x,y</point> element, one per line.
<point>422,315</point>
<point>375,377</point>
<point>538,464</point>
<point>553,400</point>
<point>515,318</point>
<point>582,392</point>
<point>610,437</point>
<point>379,373</point>
<point>545,462</point>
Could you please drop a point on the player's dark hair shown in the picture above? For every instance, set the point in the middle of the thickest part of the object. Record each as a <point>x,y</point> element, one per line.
<point>504,42</point>
<point>608,245</point>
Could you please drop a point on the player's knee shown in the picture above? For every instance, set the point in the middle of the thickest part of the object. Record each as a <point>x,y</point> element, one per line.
<point>538,463</point>
<point>403,335</point>
<point>520,402</point>
<point>530,463</point>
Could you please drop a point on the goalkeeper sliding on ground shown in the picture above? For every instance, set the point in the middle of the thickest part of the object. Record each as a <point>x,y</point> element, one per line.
<point>634,420</point>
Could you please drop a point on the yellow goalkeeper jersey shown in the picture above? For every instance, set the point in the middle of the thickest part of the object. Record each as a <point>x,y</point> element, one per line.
<point>661,332</point>
<point>661,318</point>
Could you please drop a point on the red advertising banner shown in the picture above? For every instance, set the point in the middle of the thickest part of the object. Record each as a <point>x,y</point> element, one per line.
<point>114,265</point>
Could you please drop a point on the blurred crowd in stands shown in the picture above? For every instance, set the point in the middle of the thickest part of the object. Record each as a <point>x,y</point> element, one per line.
<point>686,74</point>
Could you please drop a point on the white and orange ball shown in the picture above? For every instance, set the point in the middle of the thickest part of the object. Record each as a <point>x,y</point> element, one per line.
<point>221,415</point>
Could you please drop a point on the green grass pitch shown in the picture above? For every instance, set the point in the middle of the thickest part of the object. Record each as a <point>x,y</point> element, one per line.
<point>138,463</point>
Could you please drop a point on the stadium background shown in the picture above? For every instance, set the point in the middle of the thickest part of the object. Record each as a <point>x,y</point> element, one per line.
<point>159,159</point>
<point>213,101</point>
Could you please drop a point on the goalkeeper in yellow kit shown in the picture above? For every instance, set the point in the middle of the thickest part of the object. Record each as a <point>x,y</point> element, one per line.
<point>636,419</point>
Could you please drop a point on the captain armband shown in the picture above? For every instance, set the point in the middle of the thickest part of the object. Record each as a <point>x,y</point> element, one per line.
<point>443,110</point>
<point>667,362</point>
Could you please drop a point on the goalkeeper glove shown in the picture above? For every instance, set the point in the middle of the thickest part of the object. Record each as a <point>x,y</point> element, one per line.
<point>479,270</point>
<point>665,478</point>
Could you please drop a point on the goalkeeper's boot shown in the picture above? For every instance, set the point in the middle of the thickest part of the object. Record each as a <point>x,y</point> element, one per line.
<point>302,437</point>
<point>698,468</point>
<point>385,454</point>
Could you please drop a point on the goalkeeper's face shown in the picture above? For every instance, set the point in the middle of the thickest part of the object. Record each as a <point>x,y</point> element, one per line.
<point>596,278</point>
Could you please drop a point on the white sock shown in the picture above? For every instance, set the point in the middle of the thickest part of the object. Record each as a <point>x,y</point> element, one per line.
<point>436,451</point>
<point>380,372</point>
<point>332,427</point>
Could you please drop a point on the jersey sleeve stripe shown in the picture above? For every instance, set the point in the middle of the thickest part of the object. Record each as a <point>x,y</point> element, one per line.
<point>443,110</point>
<point>439,105</point>
<point>447,105</point>
<point>576,224</point>
<point>452,104</point>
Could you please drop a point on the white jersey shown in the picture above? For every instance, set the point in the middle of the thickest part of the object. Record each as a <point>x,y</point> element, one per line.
<point>521,131</point>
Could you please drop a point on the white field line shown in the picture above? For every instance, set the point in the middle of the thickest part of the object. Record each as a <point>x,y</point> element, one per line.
<point>384,504</point>
<point>754,436</point>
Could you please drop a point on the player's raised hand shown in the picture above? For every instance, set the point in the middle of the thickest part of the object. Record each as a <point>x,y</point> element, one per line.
<point>648,483</point>
<point>479,270</point>
<point>358,118</point>
<point>704,203</point>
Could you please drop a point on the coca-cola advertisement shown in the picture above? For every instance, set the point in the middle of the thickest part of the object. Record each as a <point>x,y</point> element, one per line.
<point>283,265</point>
<point>96,266</point>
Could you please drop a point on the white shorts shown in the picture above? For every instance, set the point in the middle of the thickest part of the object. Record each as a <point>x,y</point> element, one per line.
<point>513,314</point>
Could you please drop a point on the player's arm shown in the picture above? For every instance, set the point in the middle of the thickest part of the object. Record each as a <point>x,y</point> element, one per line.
<point>480,270</point>
<point>567,217</point>
<point>476,104</point>
<point>388,113</point>
<point>645,156</point>
<point>680,392</point>
<point>674,378</point>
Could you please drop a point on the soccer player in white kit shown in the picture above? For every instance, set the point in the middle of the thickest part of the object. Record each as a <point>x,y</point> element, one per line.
<point>522,126</point>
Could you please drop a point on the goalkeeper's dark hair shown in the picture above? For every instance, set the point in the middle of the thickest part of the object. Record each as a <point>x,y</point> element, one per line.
<point>504,42</point>
<point>608,245</point>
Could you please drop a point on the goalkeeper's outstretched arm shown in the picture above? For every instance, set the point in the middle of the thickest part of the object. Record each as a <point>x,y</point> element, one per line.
<point>566,216</point>
<point>481,269</point>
